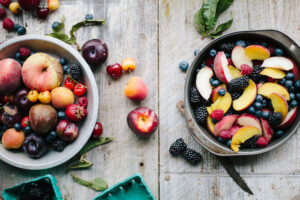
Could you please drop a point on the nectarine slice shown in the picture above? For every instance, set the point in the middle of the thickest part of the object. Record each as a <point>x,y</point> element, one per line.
<point>215,94</point>
<point>242,135</point>
<point>235,72</point>
<point>210,125</point>
<point>225,124</point>
<point>273,73</point>
<point>289,119</point>
<point>239,57</point>
<point>222,102</point>
<point>247,98</point>
<point>279,104</point>
<point>249,120</point>
<point>278,62</point>
<point>202,82</point>
<point>267,130</point>
<point>221,67</point>
<point>268,88</point>
<point>257,52</point>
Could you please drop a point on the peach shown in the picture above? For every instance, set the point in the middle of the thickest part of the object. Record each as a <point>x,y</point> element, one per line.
<point>235,72</point>
<point>224,124</point>
<point>221,67</point>
<point>222,102</point>
<point>10,76</point>
<point>62,97</point>
<point>239,57</point>
<point>289,119</point>
<point>210,124</point>
<point>214,94</point>
<point>247,98</point>
<point>203,83</point>
<point>279,104</point>
<point>273,73</point>
<point>249,120</point>
<point>257,52</point>
<point>136,89</point>
<point>268,88</point>
<point>278,62</point>
<point>13,139</point>
<point>267,130</point>
<point>42,72</point>
<point>242,135</point>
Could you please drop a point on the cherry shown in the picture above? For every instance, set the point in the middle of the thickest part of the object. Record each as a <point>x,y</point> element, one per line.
<point>115,71</point>
<point>42,13</point>
<point>97,130</point>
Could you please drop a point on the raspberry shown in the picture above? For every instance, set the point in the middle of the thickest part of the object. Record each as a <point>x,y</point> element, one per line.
<point>230,61</point>
<point>275,119</point>
<point>58,145</point>
<point>24,52</point>
<point>2,13</point>
<point>5,2</point>
<point>250,143</point>
<point>225,134</point>
<point>238,84</point>
<point>217,114</point>
<point>201,114</point>
<point>192,156</point>
<point>246,69</point>
<point>75,71</point>
<point>209,61</point>
<point>177,147</point>
<point>8,24</point>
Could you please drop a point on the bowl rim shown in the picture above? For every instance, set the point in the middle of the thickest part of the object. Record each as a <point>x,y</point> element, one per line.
<point>94,90</point>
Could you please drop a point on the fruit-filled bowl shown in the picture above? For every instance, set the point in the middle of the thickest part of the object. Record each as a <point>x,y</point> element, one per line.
<point>241,93</point>
<point>40,116</point>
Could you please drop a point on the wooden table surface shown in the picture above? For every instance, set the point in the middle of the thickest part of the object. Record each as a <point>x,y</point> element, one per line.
<point>160,34</point>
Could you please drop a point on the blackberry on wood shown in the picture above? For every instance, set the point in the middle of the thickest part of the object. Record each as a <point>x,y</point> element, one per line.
<point>177,147</point>
<point>192,156</point>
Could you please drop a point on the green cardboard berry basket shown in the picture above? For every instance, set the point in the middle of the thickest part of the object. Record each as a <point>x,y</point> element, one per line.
<point>13,193</point>
<point>132,188</point>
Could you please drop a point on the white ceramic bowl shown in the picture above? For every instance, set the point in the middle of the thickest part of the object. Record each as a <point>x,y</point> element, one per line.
<point>55,47</point>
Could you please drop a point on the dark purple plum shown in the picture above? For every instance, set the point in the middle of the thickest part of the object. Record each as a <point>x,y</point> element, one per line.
<point>29,4</point>
<point>35,146</point>
<point>95,52</point>
<point>10,115</point>
<point>22,101</point>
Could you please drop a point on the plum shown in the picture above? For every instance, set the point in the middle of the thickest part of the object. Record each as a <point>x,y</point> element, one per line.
<point>29,4</point>
<point>35,146</point>
<point>95,52</point>
<point>67,131</point>
<point>22,101</point>
<point>10,115</point>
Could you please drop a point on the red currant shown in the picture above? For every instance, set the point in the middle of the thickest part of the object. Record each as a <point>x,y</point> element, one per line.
<point>115,71</point>
<point>97,130</point>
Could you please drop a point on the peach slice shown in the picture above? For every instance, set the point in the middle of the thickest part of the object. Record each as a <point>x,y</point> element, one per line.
<point>279,104</point>
<point>221,68</point>
<point>235,72</point>
<point>273,73</point>
<point>278,62</point>
<point>268,88</point>
<point>249,120</point>
<point>222,102</point>
<point>258,85</point>
<point>257,52</point>
<point>225,123</point>
<point>210,125</point>
<point>214,94</point>
<point>239,57</point>
<point>242,135</point>
<point>247,98</point>
<point>267,130</point>
<point>289,119</point>
<point>202,82</point>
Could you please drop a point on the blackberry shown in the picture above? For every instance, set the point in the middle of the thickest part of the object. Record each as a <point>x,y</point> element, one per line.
<point>255,76</point>
<point>235,95</point>
<point>226,47</point>
<point>58,145</point>
<point>250,143</point>
<point>192,156</point>
<point>275,119</point>
<point>75,71</point>
<point>238,84</point>
<point>35,192</point>
<point>201,114</point>
<point>177,147</point>
<point>231,111</point>
<point>195,97</point>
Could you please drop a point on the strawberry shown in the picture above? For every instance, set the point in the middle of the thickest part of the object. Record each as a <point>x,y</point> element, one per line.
<point>217,114</point>
<point>76,112</point>
<point>246,69</point>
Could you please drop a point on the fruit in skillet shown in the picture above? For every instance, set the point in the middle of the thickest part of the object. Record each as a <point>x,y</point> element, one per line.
<point>136,89</point>
<point>95,52</point>
<point>13,139</point>
<point>202,82</point>
<point>242,135</point>
<point>142,121</point>
<point>10,76</point>
<point>67,131</point>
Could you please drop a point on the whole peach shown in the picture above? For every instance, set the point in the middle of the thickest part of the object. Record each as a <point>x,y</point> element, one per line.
<point>62,97</point>
<point>136,89</point>
<point>10,76</point>
<point>13,139</point>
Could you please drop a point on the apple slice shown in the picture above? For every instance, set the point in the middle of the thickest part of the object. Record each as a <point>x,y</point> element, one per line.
<point>202,82</point>
<point>222,102</point>
<point>234,129</point>
<point>267,130</point>
<point>262,141</point>
<point>249,120</point>
<point>235,72</point>
<point>257,52</point>
<point>268,88</point>
<point>225,123</point>
<point>221,68</point>
<point>278,62</point>
<point>242,135</point>
<point>239,57</point>
<point>289,119</point>
<point>210,125</point>
<point>247,98</point>
<point>214,94</point>
<point>273,73</point>
<point>279,104</point>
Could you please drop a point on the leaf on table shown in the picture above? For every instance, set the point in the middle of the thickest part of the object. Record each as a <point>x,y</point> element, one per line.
<point>97,184</point>
<point>80,164</point>
<point>91,144</point>
<point>221,28</point>
<point>61,27</point>
<point>199,22</point>
<point>209,12</point>
<point>87,22</point>
<point>222,6</point>
<point>62,37</point>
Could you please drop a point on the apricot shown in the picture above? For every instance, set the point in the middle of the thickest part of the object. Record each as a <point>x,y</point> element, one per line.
<point>62,97</point>
<point>136,89</point>
<point>13,139</point>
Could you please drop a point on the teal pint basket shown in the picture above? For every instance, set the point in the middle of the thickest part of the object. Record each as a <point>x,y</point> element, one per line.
<point>132,188</point>
<point>13,193</point>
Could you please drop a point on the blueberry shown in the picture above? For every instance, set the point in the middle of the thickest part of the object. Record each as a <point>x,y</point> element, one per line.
<point>297,84</point>
<point>220,139</point>
<point>241,43</point>
<point>291,89</point>
<point>294,103</point>
<point>290,76</point>
<point>63,61</point>
<point>258,113</point>
<point>288,83</point>
<point>265,114</point>
<point>292,96</point>
<point>264,103</point>
<point>227,55</point>
<point>18,55</point>
<point>282,81</point>
<point>51,136</point>
<point>203,65</point>
<point>279,133</point>
<point>259,98</point>
<point>214,121</point>
<point>89,16</point>
<point>183,65</point>
<point>17,126</point>
<point>264,44</point>
<point>251,110</point>
<point>4,128</point>
<point>221,92</point>
<point>215,83</point>
<point>21,31</point>
<point>196,51</point>
<point>66,69</point>
<point>61,115</point>
<point>27,130</point>
<point>213,52</point>
<point>55,25</point>
<point>16,26</point>
<point>278,52</point>
<point>298,95</point>
<point>228,143</point>
<point>211,80</point>
<point>257,105</point>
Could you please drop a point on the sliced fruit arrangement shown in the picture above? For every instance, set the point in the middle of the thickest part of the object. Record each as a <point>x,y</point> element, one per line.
<point>247,96</point>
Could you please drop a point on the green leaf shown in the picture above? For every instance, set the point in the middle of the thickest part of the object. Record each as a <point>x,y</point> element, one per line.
<point>87,22</point>
<point>209,12</point>
<point>221,28</point>
<point>81,164</point>
<point>97,184</point>
<point>91,144</point>
<point>199,21</point>
<point>61,27</point>
<point>222,6</point>
<point>62,37</point>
